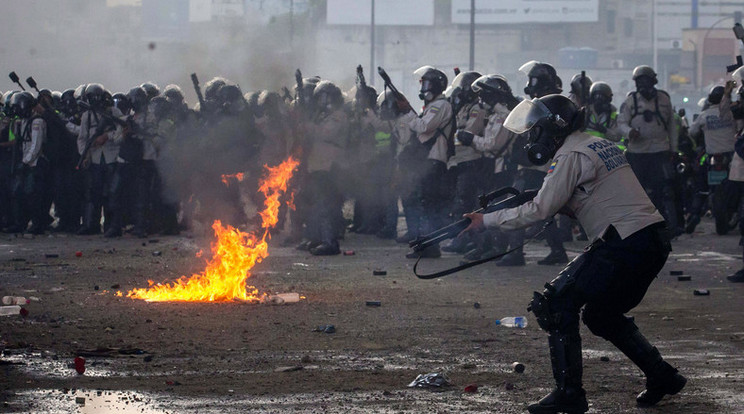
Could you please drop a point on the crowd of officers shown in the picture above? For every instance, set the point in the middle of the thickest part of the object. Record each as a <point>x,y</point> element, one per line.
<point>148,163</point>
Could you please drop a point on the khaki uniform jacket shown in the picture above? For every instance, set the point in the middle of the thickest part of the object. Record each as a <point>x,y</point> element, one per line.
<point>717,123</point>
<point>471,118</point>
<point>437,114</point>
<point>496,139</point>
<point>328,141</point>
<point>655,136</point>
<point>109,150</point>
<point>591,178</point>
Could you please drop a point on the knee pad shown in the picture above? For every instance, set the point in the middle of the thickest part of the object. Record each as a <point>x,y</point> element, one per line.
<point>607,326</point>
<point>540,306</point>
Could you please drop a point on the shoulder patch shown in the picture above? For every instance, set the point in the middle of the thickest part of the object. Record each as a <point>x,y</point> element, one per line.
<point>552,167</point>
<point>434,109</point>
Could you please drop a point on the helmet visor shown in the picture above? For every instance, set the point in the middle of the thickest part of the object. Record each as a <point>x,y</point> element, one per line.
<point>526,115</point>
<point>738,74</point>
<point>527,67</point>
<point>418,73</point>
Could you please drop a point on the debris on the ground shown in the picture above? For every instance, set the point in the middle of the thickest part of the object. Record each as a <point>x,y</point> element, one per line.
<point>684,278</point>
<point>476,305</point>
<point>78,254</point>
<point>701,292</point>
<point>676,272</point>
<point>157,253</point>
<point>604,359</point>
<point>79,365</point>
<point>379,272</point>
<point>288,369</point>
<point>472,388</point>
<point>325,328</point>
<point>282,298</point>
<point>80,400</point>
<point>51,255</point>
<point>518,367</point>
<point>375,303</point>
<point>349,252</point>
<point>433,379</point>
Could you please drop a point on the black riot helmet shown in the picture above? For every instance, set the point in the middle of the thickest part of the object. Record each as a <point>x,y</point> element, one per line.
<point>464,81</point>
<point>121,102</point>
<point>600,95</point>
<point>211,88</point>
<point>364,97</point>
<point>493,89</point>
<point>645,79</point>
<point>387,104</point>
<point>159,107</point>
<point>542,79</point>
<point>95,95</point>
<point>580,86</point>
<point>57,100</point>
<point>69,103</point>
<point>327,97</point>
<point>151,89</point>
<point>715,95</point>
<point>45,98</point>
<point>138,99</point>
<point>80,92</point>
<point>271,104</point>
<point>23,103</point>
<point>232,100</point>
<point>433,82</point>
<point>308,86</point>
<point>174,94</point>
<point>8,103</point>
<point>549,120</point>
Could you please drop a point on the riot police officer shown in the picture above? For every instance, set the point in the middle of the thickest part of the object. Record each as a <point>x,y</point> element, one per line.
<point>591,179</point>
<point>646,118</point>
<point>601,118</point>
<point>434,127</point>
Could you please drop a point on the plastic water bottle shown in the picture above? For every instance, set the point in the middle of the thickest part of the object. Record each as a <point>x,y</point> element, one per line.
<point>10,310</point>
<point>512,322</point>
<point>15,300</point>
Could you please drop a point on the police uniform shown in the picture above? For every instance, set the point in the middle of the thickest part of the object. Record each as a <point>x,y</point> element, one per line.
<point>433,127</point>
<point>466,163</point>
<point>99,174</point>
<point>603,124</point>
<point>326,154</point>
<point>650,154</point>
<point>34,175</point>
<point>590,178</point>
<point>716,124</point>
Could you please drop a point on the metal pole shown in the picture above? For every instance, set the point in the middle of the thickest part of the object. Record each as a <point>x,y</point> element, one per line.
<point>472,35</point>
<point>371,70</point>
<point>653,35</point>
<point>291,23</point>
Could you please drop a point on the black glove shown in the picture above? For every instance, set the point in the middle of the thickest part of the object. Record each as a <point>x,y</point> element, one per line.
<point>465,137</point>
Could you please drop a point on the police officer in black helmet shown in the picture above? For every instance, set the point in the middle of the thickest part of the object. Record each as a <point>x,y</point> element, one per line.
<point>433,126</point>
<point>590,179</point>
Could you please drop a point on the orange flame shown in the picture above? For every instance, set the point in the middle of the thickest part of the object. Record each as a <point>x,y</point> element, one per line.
<point>226,177</point>
<point>233,255</point>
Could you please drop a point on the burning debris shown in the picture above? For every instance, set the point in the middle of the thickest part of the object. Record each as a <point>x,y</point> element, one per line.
<point>233,254</point>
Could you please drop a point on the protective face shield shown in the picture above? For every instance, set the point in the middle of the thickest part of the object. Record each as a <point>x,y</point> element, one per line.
<point>433,82</point>
<point>57,100</point>
<point>464,81</point>
<point>23,103</point>
<point>138,99</point>
<point>600,96</point>
<point>121,102</point>
<point>492,89</point>
<point>547,128</point>
<point>542,79</point>
<point>151,89</point>
<point>453,94</point>
<point>80,92</point>
<point>94,95</point>
<point>645,86</point>
<point>232,99</point>
<point>212,87</point>
<point>69,103</point>
<point>173,94</point>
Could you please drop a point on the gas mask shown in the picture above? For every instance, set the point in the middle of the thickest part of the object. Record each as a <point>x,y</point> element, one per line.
<point>426,93</point>
<point>601,104</point>
<point>645,87</point>
<point>541,147</point>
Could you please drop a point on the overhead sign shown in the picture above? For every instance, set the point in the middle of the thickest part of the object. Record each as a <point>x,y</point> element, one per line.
<point>526,11</point>
<point>387,12</point>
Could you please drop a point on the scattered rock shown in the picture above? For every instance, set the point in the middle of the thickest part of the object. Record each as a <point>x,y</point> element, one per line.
<point>288,369</point>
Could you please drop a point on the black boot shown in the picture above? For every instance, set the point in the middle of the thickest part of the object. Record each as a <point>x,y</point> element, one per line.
<point>91,221</point>
<point>569,395</point>
<point>661,378</point>
<point>554,258</point>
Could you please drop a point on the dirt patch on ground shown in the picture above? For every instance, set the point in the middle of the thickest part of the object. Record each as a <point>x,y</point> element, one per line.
<point>238,357</point>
